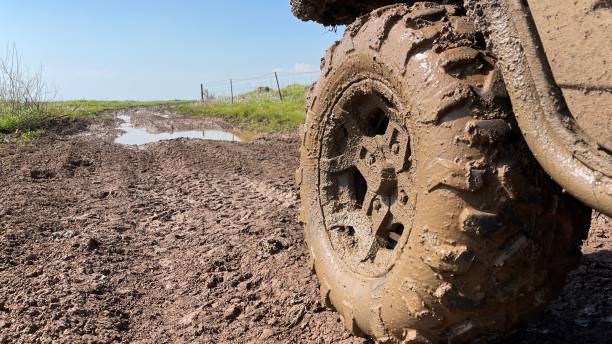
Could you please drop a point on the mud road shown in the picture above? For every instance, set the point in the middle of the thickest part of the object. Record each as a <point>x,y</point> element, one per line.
<point>191,241</point>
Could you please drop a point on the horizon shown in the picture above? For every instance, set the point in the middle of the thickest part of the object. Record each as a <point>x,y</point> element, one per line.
<point>159,51</point>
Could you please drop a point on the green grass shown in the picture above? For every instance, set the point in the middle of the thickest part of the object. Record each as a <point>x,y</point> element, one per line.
<point>19,120</point>
<point>258,111</point>
<point>87,108</point>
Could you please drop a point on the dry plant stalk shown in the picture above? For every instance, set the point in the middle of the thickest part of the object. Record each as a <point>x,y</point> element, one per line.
<point>19,89</point>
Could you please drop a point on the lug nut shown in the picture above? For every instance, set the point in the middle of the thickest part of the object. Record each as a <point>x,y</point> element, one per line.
<point>371,159</point>
<point>376,204</point>
<point>395,148</point>
<point>403,198</point>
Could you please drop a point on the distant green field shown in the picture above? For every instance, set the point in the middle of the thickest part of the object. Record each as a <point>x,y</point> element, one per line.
<point>80,108</point>
<point>258,111</point>
<point>27,121</point>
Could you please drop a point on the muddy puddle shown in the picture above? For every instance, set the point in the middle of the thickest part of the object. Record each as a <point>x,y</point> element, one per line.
<point>142,128</point>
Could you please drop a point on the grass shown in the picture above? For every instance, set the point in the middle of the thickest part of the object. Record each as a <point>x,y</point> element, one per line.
<point>257,111</point>
<point>21,122</point>
<point>21,118</point>
<point>88,108</point>
<point>24,111</point>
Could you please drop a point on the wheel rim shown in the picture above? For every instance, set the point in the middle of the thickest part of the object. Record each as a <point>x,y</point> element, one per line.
<point>366,179</point>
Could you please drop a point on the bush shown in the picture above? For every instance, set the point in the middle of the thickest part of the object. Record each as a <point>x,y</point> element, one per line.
<point>23,96</point>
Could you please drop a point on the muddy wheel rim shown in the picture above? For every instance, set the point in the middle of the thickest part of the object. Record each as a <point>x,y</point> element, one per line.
<point>366,179</point>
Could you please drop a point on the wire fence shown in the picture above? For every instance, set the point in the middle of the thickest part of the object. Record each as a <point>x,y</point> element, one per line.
<point>234,90</point>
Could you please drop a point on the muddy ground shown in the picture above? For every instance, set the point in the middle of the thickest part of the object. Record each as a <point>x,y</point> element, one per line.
<point>191,241</point>
<point>197,241</point>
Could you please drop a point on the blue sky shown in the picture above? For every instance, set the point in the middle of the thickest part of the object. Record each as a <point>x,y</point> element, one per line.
<point>144,50</point>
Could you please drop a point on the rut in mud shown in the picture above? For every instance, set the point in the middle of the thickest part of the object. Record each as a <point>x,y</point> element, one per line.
<point>190,241</point>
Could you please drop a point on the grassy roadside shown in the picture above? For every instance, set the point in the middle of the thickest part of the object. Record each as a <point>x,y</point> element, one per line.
<point>20,122</point>
<point>256,111</point>
<point>87,108</point>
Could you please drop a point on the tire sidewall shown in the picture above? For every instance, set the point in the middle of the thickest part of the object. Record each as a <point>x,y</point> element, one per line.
<point>364,302</point>
<point>354,296</point>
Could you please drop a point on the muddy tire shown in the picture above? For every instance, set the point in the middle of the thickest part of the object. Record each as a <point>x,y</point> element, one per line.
<point>426,216</point>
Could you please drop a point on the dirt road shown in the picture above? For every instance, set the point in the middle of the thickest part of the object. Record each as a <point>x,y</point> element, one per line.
<point>190,241</point>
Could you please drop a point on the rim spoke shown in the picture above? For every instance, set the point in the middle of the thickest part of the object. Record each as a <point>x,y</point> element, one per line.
<point>352,126</point>
<point>349,157</point>
<point>366,156</point>
<point>367,202</point>
<point>390,135</point>
<point>379,212</point>
<point>356,226</point>
<point>366,249</point>
<point>374,167</point>
<point>354,218</point>
<point>361,232</point>
<point>365,225</point>
<point>397,145</point>
<point>339,163</point>
<point>378,217</point>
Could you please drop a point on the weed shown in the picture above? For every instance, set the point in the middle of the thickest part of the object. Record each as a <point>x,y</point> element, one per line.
<point>259,111</point>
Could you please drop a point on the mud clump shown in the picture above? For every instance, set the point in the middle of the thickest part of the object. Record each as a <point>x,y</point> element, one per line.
<point>232,312</point>
<point>92,244</point>
<point>601,4</point>
<point>271,246</point>
<point>42,174</point>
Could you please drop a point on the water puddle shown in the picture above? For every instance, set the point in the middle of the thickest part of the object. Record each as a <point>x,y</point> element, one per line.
<point>135,135</point>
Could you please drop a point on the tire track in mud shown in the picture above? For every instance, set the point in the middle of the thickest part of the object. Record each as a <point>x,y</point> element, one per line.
<point>211,253</point>
<point>182,241</point>
<point>241,272</point>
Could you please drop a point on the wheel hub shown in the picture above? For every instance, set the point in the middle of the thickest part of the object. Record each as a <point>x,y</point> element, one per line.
<point>366,194</point>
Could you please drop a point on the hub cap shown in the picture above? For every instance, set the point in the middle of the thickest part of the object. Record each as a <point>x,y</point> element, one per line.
<point>365,173</point>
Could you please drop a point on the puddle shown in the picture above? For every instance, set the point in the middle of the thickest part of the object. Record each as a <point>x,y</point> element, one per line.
<point>140,136</point>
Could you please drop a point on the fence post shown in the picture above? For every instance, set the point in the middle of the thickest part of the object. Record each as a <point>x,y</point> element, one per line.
<point>202,92</point>
<point>232,90</point>
<point>280,94</point>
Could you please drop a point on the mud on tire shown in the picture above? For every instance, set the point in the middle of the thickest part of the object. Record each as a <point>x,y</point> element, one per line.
<point>426,217</point>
